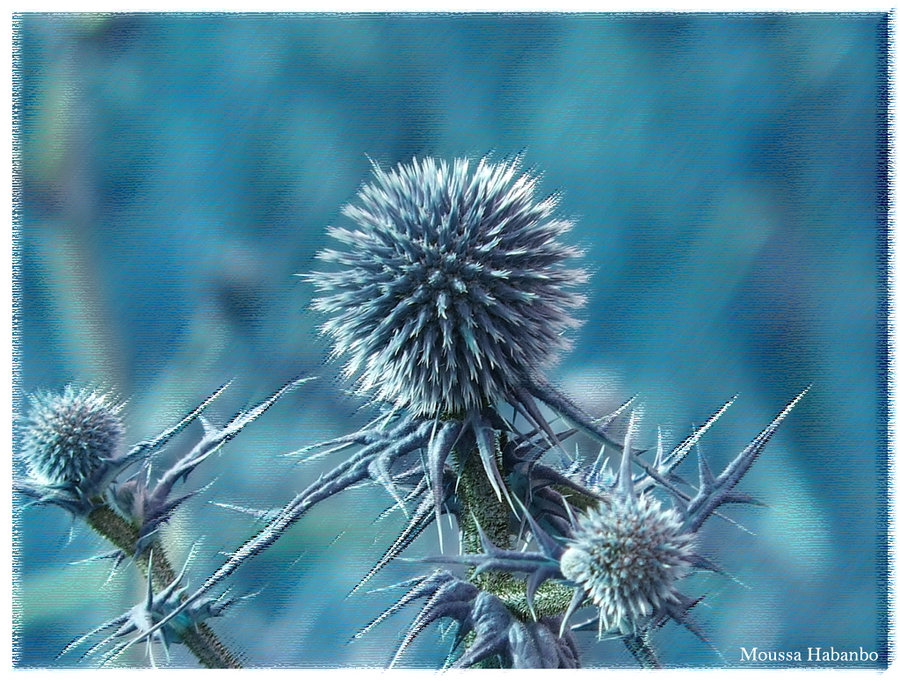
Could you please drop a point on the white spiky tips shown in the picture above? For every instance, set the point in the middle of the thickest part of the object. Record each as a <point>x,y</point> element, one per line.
<point>627,556</point>
<point>452,289</point>
<point>68,437</point>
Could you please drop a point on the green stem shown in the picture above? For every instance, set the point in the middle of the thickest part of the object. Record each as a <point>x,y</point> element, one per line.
<point>479,502</point>
<point>201,640</point>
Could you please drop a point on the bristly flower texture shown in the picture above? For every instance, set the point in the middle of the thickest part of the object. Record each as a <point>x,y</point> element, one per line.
<point>628,555</point>
<point>452,291</point>
<point>447,302</point>
<point>70,437</point>
<point>73,453</point>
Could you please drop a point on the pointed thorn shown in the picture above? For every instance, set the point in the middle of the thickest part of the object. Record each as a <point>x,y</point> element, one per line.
<point>625,483</point>
<point>574,604</point>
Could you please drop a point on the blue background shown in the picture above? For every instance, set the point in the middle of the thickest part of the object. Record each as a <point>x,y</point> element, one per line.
<point>727,177</point>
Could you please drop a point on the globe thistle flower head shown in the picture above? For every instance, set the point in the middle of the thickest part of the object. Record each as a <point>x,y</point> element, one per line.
<point>627,557</point>
<point>452,289</point>
<point>70,437</point>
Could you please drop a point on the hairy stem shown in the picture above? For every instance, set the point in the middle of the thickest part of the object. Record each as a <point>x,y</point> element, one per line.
<point>201,640</point>
<point>480,507</point>
<point>479,501</point>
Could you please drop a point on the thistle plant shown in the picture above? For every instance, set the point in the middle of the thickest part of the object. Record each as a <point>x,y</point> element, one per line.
<point>74,459</point>
<point>448,300</point>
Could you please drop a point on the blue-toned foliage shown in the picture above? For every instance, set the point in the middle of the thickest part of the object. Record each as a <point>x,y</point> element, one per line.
<point>450,298</point>
<point>156,605</point>
<point>726,175</point>
<point>494,631</point>
<point>130,511</point>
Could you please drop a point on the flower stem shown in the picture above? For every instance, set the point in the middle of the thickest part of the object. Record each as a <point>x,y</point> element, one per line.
<point>481,507</point>
<point>479,502</point>
<point>200,640</point>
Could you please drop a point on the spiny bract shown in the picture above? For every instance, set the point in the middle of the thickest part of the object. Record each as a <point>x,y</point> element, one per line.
<point>452,291</point>
<point>70,436</point>
<point>628,556</point>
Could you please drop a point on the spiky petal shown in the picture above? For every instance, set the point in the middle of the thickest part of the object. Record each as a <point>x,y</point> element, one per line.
<point>628,557</point>
<point>452,291</point>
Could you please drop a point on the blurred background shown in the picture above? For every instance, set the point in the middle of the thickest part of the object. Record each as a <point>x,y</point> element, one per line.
<point>727,177</point>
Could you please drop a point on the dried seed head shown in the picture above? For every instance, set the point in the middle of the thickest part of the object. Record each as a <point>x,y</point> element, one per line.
<point>69,437</point>
<point>452,290</point>
<point>628,556</point>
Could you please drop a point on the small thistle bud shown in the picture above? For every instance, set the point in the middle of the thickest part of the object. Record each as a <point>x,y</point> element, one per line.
<point>70,437</point>
<point>452,289</point>
<point>627,557</point>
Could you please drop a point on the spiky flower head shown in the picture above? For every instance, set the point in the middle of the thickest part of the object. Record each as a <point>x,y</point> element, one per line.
<point>452,289</point>
<point>627,556</point>
<point>71,436</point>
